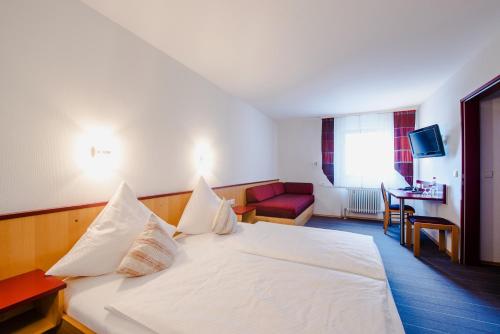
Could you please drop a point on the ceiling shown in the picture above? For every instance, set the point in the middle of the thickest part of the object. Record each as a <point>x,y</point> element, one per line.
<point>300,58</point>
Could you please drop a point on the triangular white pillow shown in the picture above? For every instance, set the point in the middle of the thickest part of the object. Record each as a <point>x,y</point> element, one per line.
<point>107,240</point>
<point>225,219</point>
<point>200,211</point>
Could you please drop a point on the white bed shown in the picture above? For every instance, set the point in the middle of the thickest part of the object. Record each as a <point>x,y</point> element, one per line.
<point>229,285</point>
<point>86,299</point>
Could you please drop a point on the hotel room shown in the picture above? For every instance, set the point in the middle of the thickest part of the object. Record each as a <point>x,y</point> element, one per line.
<point>279,166</point>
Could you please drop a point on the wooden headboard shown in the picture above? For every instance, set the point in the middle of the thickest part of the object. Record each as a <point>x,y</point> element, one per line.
<point>37,239</point>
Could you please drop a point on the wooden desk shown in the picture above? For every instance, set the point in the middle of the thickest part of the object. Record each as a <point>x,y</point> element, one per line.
<point>403,195</point>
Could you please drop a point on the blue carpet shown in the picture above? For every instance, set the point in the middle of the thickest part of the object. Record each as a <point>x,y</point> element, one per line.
<point>432,294</point>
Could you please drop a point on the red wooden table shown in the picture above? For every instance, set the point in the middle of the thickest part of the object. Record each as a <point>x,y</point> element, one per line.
<point>29,303</point>
<point>245,213</point>
<point>26,287</point>
<point>242,209</point>
<point>403,195</point>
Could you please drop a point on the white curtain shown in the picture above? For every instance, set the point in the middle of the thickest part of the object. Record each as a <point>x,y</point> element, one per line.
<point>364,151</point>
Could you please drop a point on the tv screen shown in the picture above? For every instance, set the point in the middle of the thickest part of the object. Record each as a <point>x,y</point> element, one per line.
<point>426,142</point>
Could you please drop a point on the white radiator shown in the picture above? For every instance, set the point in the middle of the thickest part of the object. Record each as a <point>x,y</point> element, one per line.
<point>364,200</point>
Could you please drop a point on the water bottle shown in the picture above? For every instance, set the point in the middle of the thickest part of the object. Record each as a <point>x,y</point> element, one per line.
<point>434,189</point>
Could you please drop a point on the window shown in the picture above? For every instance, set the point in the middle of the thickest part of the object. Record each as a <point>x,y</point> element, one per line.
<point>364,151</point>
<point>369,154</point>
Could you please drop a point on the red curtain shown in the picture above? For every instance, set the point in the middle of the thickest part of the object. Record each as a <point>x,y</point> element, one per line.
<point>327,148</point>
<point>404,122</point>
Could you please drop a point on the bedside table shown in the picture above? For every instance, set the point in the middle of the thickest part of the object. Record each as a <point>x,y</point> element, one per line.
<point>245,214</point>
<point>30,303</point>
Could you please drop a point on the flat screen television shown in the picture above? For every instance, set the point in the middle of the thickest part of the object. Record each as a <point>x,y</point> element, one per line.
<point>426,142</point>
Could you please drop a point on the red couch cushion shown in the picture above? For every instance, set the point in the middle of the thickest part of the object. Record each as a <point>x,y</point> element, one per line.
<point>279,188</point>
<point>259,193</point>
<point>284,206</point>
<point>298,188</point>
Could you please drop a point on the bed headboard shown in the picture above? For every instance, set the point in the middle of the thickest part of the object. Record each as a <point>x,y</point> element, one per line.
<point>37,239</point>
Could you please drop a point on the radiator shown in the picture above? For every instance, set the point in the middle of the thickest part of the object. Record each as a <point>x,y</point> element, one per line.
<point>364,200</point>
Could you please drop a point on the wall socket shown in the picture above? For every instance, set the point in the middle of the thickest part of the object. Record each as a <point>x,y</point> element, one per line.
<point>488,174</point>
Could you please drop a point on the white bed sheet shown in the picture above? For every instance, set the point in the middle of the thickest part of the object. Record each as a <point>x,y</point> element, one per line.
<point>85,300</point>
<point>278,293</point>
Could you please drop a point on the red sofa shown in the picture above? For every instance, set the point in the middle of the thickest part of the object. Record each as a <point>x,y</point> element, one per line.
<point>289,202</point>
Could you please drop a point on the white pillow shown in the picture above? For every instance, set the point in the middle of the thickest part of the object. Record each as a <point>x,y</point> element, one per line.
<point>225,219</point>
<point>107,240</point>
<point>200,211</point>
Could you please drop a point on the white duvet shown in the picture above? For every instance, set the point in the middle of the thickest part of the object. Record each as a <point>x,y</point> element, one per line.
<point>230,285</point>
<point>342,251</point>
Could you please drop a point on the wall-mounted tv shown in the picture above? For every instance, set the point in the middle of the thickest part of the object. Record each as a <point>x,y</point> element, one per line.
<point>426,142</point>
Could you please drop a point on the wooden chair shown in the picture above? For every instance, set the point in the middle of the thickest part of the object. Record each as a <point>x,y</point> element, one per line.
<point>393,210</point>
<point>436,223</point>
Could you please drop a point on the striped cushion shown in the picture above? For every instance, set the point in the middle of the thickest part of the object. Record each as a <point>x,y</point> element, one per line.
<point>225,220</point>
<point>153,250</point>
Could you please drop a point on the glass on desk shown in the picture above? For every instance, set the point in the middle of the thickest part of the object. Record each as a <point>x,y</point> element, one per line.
<point>427,191</point>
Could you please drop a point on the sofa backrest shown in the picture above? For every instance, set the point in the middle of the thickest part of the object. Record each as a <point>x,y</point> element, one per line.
<point>259,193</point>
<point>298,188</point>
<point>279,188</point>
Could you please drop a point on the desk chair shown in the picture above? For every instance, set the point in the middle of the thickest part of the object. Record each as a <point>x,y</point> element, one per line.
<point>393,209</point>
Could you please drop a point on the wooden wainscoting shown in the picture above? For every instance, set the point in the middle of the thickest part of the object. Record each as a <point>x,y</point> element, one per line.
<point>36,240</point>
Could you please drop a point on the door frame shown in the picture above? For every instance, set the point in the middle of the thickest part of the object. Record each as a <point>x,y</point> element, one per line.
<point>470,214</point>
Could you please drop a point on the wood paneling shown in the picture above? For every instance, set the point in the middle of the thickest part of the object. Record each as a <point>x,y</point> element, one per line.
<point>100,204</point>
<point>38,241</point>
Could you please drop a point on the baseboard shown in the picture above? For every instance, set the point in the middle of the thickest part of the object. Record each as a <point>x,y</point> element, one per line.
<point>349,217</point>
<point>326,216</point>
<point>489,263</point>
<point>364,218</point>
<point>436,242</point>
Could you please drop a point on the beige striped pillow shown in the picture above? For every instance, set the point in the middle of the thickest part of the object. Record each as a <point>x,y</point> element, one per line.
<point>152,251</point>
<point>225,219</point>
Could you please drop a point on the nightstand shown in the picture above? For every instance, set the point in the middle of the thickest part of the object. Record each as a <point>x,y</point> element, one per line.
<point>245,214</point>
<point>30,303</point>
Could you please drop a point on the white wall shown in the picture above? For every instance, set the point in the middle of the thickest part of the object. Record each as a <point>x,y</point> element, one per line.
<point>299,156</point>
<point>443,108</point>
<point>65,69</point>
<point>490,181</point>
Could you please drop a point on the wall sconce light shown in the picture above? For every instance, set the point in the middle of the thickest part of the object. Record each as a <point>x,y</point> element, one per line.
<point>102,143</point>
<point>97,153</point>
<point>94,152</point>
<point>202,162</point>
<point>204,159</point>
